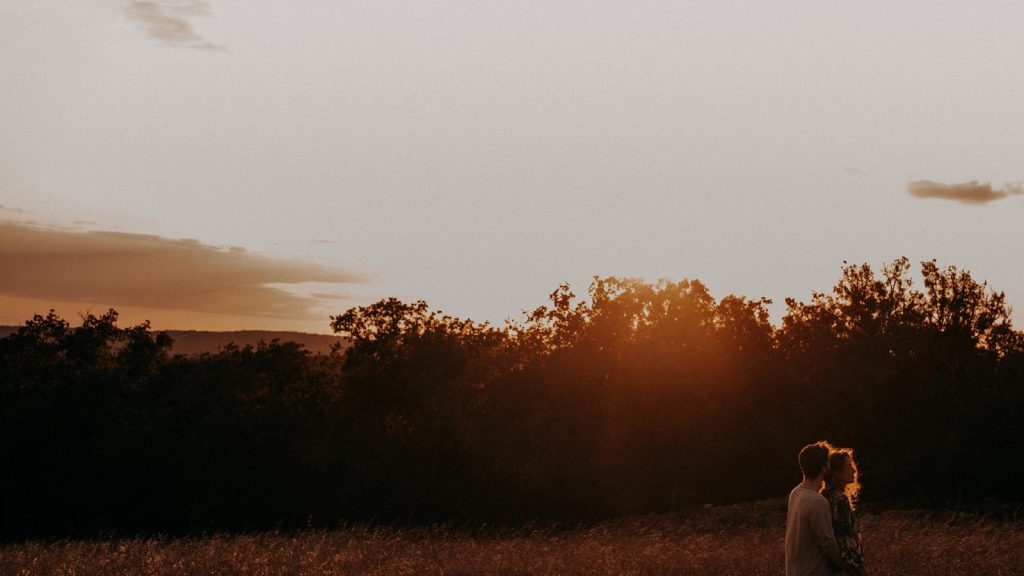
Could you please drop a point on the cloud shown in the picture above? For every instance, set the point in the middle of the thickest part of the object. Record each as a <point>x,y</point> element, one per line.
<point>169,22</point>
<point>119,269</point>
<point>972,192</point>
<point>329,296</point>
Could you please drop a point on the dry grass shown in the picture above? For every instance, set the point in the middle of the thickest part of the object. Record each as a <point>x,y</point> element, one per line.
<point>742,540</point>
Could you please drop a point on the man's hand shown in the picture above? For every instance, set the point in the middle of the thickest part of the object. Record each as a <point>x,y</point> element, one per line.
<point>852,570</point>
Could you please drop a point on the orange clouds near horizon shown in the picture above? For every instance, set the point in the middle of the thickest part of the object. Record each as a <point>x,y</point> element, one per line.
<point>173,283</point>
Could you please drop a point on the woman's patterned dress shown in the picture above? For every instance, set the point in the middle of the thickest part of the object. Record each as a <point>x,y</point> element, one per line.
<point>846,528</point>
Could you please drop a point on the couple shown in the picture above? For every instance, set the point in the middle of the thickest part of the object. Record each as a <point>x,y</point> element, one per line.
<point>822,535</point>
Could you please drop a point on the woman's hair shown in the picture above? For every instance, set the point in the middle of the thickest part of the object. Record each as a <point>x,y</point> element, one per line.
<point>837,458</point>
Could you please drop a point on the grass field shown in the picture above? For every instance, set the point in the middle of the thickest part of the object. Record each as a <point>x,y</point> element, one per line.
<point>744,539</point>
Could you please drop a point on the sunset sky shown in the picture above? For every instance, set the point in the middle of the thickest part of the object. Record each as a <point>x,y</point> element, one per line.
<point>264,164</point>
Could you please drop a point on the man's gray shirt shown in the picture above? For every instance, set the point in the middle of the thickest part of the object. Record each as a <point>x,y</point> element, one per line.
<point>810,542</point>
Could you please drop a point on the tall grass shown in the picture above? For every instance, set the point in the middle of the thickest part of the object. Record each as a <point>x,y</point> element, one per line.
<point>744,539</point>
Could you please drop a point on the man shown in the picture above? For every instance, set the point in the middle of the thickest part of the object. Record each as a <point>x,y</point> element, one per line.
<point>811,548</point>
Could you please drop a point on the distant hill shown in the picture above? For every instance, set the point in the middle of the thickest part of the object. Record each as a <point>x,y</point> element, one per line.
<point>191,342</point>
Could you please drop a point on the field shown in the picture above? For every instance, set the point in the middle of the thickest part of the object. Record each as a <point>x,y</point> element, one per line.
<point>744,539</point>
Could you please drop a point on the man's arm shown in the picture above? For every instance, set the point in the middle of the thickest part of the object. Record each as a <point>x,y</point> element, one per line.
<point>821,526</point>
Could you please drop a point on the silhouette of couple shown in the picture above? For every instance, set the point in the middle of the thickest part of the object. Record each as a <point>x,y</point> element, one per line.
<point>822,534</point>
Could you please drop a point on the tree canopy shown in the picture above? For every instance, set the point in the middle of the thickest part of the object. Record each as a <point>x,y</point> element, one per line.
<point>640,397</point>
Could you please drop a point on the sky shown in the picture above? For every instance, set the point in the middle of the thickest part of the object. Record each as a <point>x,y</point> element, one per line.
<point>259,164</point>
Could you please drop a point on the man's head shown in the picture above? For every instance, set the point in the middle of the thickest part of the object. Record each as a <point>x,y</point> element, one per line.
<point>814,459</point>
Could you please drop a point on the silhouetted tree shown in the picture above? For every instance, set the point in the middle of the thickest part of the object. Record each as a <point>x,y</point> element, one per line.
<point>641,397</point>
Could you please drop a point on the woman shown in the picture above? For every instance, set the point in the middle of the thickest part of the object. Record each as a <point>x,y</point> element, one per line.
<point>841,490</point>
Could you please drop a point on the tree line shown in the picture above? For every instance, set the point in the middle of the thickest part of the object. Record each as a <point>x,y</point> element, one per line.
<point>642,397</point>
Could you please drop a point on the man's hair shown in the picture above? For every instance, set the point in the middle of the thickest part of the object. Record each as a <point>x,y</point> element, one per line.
<point>813,458</point>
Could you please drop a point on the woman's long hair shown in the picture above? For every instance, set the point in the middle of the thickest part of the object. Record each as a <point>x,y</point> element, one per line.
<point>840,457</point>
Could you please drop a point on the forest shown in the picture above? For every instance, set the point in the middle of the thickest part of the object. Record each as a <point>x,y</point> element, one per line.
<point>639,397</point>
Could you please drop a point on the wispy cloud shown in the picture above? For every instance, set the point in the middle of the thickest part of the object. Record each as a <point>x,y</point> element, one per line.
<point>13,209</point>
<point>329,296</point>
<point>972,192</point>
<point>169,22</point>
<point>114,268</point>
